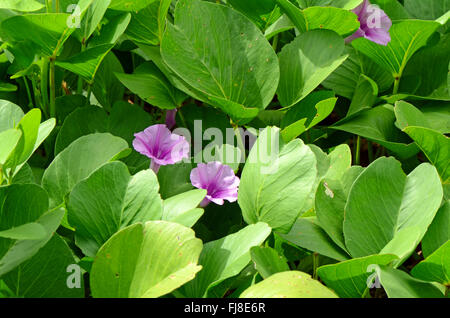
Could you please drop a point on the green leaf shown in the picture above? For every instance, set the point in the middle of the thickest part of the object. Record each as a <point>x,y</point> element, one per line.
<point>435,146</point>
<point>92,20</point>
<point>225,258</point>
<point>175,179</point>
<point>47,31</point>
<point>126,5</point>
<point>384,202</point>
<point>307,234</point>
<point>87,62</point>
<point>146,261</point>
<point>429,10</point>
<point>276,181</point>
<point>10,115</point>
<point>307,113</point>
<point>408,115</point>
<point>262,12</point>
<point>8,142</point>
<point>341,21</point>
<point>109,200</point>
<point>365,95</point>
<point>124,121</point>
<point>46,274</point>
<point>330,206</point>
<point>349,279</point>
<point>438,232</point>
<point>182,208</point>
<point>107,88</point>
<point>295,14</point>
<point>267,261</point>
<point>436,267</point>
<point>147,26</point>
<point>407,38</point>
<point>77,162</point>
<point>29,231</point>
<point>399,284</point>
<point>21,5</point>
<point>292,284</point>
<point>306,62</point>
<point>150,84</point>
<point>22,250</point>
<point>249,81</point>
<point>29,126</point>
<point>377,125</point>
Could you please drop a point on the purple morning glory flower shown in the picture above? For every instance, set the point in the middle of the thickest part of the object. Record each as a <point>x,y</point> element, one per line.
<point>170,118</point>
<point>161,146</point>
<point>375,24</point>
<point>218,179</point>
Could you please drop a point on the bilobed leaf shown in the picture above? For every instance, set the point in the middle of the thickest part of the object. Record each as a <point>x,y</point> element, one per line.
<point>182,208</point>
<point>10,115</point>
<point>21,250</point>
<point>28,231</point>
<point>276,181</point>
<point>407,38</point>
<point>377,124</point>
<point>40,278</point>
<point>77,162</point>
<point>349,279</point>
<point>365,95</point>
<point>307,234</point>
<point>147,26</point>
<point>439,231</point>
<point>262,12</point>
<point>307,113</point>
<point>435,146</point>
<point>110,200</point>
<point>377,211</point>
<point>21,5</point>
<point>225,258</point>
<point>146,261</point>
<point>306,62</point>
<point>291,284</point>
<point>249,80</point>
<point>126,5</point>
<point>436,267</point>
<point>267,261</point>
<point>8,142</point>
<point>399,284</point>
<point>150,84</point>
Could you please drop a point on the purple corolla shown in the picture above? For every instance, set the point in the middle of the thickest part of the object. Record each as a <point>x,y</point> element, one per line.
<point>161,146</point>
<point>218,180</point>
<point>375,24</point>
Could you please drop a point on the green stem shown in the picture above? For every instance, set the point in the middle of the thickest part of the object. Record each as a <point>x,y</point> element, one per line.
<point>240,142</point>
<point>182,118</point>
<point>52,88</point>
<point>366,293</point>
<point>44,83</point>
<point>396,85</point>
<point>88,96</point>
<point>315,264</point>
<point>27,87</point>
<point>80,79</point>
<point>275,43</point>
<point>57,6</point>
<point>358,151</point>
<point>370,151</point>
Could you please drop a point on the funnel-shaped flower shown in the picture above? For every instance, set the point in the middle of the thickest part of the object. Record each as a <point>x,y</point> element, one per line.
<point>160,145</point>
<point>218,180</point>
<point>375,24</point>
